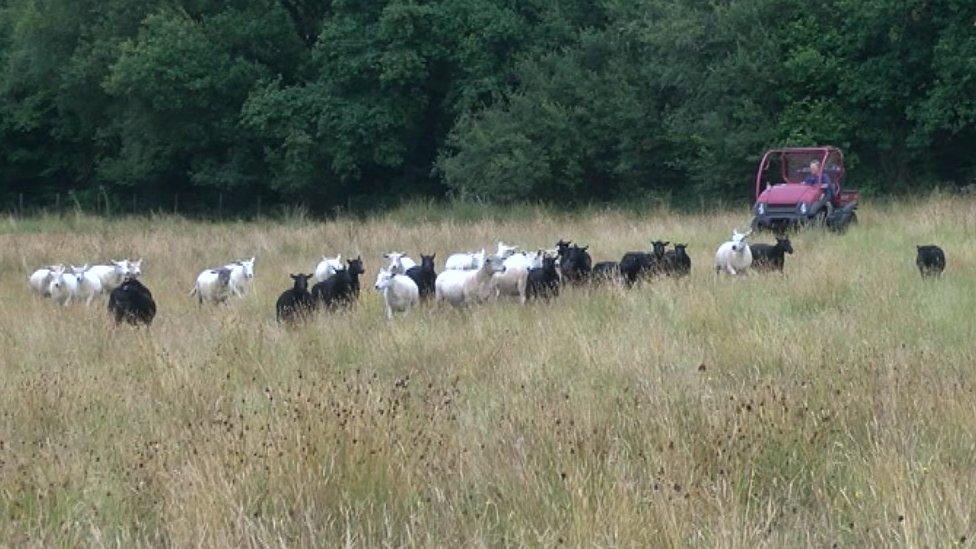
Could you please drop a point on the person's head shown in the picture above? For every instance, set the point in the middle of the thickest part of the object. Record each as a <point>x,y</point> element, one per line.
<point>815,167</point>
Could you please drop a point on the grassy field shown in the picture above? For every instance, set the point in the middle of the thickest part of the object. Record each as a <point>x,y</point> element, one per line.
<point>833,404</point>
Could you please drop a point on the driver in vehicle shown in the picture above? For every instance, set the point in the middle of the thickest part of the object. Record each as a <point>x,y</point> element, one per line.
<point>817,175</point>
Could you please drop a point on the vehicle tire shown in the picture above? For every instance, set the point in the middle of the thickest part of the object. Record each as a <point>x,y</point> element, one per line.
<point>756,225</point>
<point>819,219</point>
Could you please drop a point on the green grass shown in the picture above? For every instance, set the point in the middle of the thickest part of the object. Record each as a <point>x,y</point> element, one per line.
<point>808,408</point>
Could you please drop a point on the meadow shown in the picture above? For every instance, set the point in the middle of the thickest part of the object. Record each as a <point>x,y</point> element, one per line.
<point>835,403</point>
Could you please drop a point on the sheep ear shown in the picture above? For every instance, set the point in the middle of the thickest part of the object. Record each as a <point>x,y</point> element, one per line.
<point>253,258</point>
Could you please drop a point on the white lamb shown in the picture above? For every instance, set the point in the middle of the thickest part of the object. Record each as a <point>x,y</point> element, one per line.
<point>734,257</point>
<point>88,284</point>
<point>400,293</point>
<point>461,288</point>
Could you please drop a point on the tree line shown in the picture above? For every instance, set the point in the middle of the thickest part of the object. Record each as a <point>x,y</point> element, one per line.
<point>351,103</point>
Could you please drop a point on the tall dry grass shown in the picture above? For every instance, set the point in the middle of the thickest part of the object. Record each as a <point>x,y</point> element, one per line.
<point>833,404</point>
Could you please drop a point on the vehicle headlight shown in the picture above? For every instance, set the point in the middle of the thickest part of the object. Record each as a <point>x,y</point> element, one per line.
<point>803,208</point>
<point>761,208</point>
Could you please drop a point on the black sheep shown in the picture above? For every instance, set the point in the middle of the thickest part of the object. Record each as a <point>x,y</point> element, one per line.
<point>355,269</point>
<point>606,271</point>
<point>636,265</point>
<point>575,262</point>
<point>295,303</point>
<point>339,290</point>
<point>132,302</point>
<point>677,262</point>
<point>424,275</point>
<point>544,281</point>
<point>930,260</point>
<point>771,257</point>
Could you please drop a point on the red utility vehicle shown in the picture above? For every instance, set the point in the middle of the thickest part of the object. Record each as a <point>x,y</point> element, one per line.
<point>789,193</point>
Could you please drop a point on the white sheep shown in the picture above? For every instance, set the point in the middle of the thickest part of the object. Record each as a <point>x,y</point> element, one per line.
<point>88,285</point>
<point>512,282</point>
<point>111,276</point>
<point>241,274</point>
<point>460,288</point>
<point>40,280</point>
<point>465,261</point>
<point>63,287</point>
<point>734,256</point>
<point>212,286</point>
<point>400,293</point>
<point>328,267</point>
<point>399,262</point>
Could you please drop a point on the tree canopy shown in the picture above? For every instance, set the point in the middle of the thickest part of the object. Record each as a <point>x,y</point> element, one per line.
<point>343,102</point>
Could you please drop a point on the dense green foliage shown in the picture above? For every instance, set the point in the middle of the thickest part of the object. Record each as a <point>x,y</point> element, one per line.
<point>356,103</point>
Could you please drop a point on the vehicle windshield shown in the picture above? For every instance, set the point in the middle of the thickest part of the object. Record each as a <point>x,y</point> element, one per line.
<point>793,166</point>
<point>797,165</point>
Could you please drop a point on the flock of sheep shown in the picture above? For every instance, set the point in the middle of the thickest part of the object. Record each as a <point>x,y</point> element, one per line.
<point>473,277</point>
<point>129,299</point>
<point>467,278</point>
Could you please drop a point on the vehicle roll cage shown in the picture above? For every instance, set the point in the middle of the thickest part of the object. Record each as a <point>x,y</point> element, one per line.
<point>824,153</point>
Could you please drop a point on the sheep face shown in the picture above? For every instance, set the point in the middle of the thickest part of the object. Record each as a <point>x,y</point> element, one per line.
<point>739,240</point>
<point>383,279</point>
<point>494,264</point>
<point>301,281</point>
<point>134,268</point>
<point>355,267</point>
<point>57,280</point>
<point>505,251</point>
<point>248,268</point>
<point>784,244</point>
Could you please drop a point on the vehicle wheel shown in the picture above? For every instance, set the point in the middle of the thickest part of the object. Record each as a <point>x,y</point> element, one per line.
<point>819,219</point>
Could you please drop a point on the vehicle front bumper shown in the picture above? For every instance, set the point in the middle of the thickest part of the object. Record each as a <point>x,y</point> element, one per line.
<point>773,220</point>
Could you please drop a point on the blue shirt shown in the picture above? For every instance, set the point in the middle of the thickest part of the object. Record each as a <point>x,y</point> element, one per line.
<point>814,179</point>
